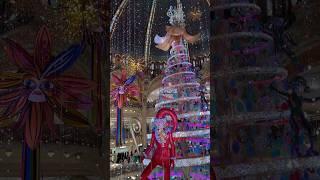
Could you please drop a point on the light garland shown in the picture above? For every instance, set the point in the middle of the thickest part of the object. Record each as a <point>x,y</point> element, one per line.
<point>117,15</point>
<point>171,88</point>
<point>174,57</point>
<point>187,162</point>
<point>181,63</point>
<point>181,134</point>
<point>175,74</point>
<point>148,35</point>
<point>176,100</point>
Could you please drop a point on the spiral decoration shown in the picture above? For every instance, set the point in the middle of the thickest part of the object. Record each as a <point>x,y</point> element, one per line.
<point>136,126</point>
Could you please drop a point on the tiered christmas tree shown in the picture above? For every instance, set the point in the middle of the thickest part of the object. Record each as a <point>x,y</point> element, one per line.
<point>255,137</point>
<point>183,93</point>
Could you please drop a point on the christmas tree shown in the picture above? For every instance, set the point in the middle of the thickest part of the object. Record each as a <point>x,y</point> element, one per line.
<point>182,92</point>
<point>255,137</point>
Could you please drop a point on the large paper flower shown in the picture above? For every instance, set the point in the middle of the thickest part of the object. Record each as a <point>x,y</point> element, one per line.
<point>123,88</point>
<point>40,88</point>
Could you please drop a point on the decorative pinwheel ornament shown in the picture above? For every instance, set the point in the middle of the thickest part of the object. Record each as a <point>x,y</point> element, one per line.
<point>122,90</point>
<point>39,88</point>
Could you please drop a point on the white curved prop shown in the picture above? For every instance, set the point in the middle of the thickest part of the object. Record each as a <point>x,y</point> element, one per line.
<point>135,128</point>
<point>158,39</point>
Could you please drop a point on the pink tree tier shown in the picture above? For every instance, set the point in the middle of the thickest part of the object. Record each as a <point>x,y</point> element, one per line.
<point>181,92</point>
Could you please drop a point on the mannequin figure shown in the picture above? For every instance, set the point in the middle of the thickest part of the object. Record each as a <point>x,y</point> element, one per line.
<point>163,144</point>
<point>295,101</point>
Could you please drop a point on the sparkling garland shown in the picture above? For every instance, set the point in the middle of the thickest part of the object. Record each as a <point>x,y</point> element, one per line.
<point>186,115</point>
<point>188,133</point>
<point>176,101</point>
<point>149,32</point>
<point>187,162</point>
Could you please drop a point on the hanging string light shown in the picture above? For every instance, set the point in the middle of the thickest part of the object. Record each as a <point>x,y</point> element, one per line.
<point>131,64</point>
<point>134,65</point>
<point>195,14</point>
<point>73,17</point>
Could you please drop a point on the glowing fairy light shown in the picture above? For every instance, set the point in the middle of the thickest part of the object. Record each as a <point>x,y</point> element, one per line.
<point>74,17</point>
<point>195,14</point>
<point>134,65</point>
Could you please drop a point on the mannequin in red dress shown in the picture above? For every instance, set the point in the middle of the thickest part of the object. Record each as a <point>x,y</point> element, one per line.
<point>164,153</point>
